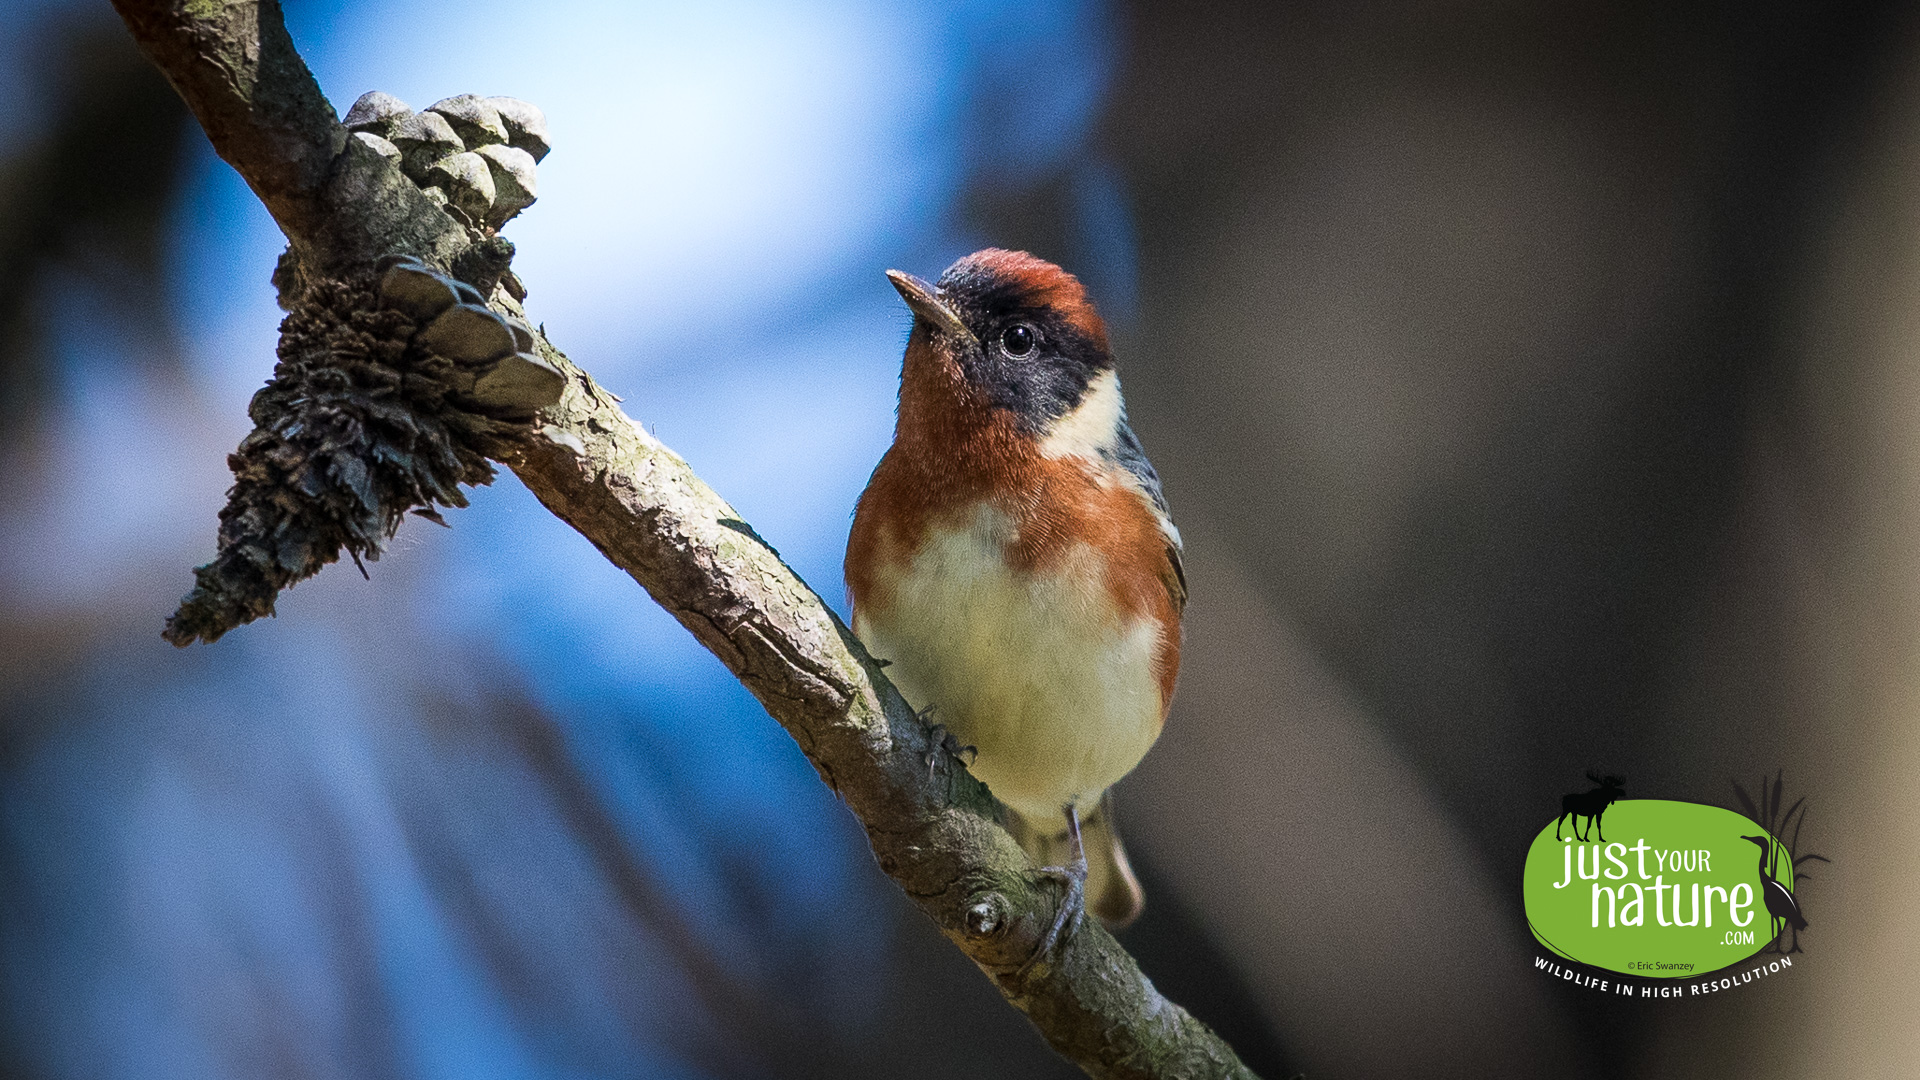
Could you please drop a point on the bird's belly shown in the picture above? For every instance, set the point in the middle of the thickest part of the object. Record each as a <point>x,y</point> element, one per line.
<point>1037,670</point>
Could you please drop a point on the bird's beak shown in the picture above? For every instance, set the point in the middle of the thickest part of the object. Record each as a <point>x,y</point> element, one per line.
<point>925,301</point>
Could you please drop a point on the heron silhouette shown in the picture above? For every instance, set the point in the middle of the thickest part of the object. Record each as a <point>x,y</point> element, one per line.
<point>1768,814</point>
<point>1781,907</point>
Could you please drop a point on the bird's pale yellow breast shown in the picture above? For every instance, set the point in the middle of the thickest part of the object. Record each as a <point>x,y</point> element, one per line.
<point>1038,669</point>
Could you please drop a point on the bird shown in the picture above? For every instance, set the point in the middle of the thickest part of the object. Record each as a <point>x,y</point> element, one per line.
<point>1782,908</point>
<point>1014,563</point>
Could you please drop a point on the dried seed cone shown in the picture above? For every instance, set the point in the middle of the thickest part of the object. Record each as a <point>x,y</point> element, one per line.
<point>352,432</point>
<point>470,154</point>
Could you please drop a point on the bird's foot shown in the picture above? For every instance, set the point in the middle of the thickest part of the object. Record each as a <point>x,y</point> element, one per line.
<point>1073,901</point>
<point>941,742</point>
<point>1066,918</point>
<point>968,753</point>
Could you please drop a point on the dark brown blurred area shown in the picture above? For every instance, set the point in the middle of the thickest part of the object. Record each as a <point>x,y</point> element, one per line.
<point>1535,386</point>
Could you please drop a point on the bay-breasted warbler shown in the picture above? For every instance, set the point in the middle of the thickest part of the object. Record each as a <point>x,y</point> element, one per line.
<point>1013,560</point>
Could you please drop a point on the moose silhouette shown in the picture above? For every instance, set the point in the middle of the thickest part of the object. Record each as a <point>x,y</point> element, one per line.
<point>1590,805</point>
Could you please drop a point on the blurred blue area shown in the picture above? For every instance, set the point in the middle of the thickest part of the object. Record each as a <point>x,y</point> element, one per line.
<point>495,814</point>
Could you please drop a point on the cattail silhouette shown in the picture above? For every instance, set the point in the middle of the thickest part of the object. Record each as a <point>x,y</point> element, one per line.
<point>1780,901</point>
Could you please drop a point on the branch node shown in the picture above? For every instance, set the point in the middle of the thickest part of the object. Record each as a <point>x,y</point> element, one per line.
<point>987,917</point>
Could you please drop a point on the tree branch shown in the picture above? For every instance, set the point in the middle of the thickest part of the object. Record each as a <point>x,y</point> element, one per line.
<point>934,832</point>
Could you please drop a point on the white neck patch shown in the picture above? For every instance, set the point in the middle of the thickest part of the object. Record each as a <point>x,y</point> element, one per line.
<point>1093,427</point>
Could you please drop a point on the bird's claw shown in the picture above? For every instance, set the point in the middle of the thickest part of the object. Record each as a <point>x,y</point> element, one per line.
<point>1066,918</point>
<point>970,754</point>
<point>941,741</point>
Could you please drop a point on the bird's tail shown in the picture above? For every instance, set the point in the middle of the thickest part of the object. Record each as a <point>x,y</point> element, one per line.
<point>1113,893</point>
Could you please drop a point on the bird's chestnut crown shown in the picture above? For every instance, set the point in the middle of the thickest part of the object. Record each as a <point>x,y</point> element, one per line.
<point>1020,329</point>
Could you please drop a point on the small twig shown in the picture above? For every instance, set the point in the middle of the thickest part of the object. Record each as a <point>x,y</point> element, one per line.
<point>646,511</point>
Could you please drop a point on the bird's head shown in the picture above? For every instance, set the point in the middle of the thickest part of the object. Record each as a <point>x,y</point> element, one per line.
<point>1004,332</point>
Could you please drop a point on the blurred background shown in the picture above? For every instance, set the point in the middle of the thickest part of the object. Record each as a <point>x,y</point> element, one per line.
<point>1537,386</point>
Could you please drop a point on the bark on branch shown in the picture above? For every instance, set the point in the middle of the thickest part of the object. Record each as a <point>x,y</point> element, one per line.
<point>641,505</point>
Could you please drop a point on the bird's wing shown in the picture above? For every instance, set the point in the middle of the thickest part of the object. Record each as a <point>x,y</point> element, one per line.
<point>1131,456</point>
<point>1176,579</point>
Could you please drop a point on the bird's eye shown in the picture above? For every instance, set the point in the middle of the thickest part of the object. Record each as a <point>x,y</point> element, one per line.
<point>1017,340</point>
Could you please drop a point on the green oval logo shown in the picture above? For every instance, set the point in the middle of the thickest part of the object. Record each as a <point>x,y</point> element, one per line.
<point>1674,890</point>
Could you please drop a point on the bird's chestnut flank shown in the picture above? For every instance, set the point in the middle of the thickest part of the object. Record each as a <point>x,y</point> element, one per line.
<point>1013,559</point>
